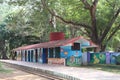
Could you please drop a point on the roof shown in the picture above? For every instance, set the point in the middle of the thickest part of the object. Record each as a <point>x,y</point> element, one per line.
<point>50,44</point>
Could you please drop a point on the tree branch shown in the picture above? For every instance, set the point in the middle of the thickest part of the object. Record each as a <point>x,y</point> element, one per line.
<point>88,33</point>
<point>111,4</point>
<point>73,23</point>
<point>113,33</point>
<point>63,20</point>
<point>85,32</point>
<point>87,5</point>
<point>95,2</point>
<point>110,25</point>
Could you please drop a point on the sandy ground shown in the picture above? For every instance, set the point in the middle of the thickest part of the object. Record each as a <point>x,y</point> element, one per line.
<point>18,75</point>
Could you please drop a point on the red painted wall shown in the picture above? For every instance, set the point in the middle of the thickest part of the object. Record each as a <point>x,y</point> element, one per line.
<point>56,36</point>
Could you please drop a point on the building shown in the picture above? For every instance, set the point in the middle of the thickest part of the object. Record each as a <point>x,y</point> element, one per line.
<point>57,51</point>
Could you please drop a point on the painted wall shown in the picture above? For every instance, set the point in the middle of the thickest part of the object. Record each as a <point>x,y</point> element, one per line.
<point>31,56</point>
<point>104,58</point>
<point>84,58</point>
<point>19,57</point>
<point>23,56</point>
<point>40,51</point>
<point>115,58</point>
<point>98,58</point>
<point>60,61</point>
<point>73,58</point>
<point>108,58</point>
<point>83,43</point>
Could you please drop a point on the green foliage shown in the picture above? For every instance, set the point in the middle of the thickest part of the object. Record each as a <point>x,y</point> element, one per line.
<point>105,10</point>
<point>114,43</point>
<point>27,21</point>
<point>70,10</point>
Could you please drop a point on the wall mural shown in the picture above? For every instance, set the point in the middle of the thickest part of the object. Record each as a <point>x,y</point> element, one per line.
<point>97,58</point>
<point>74,61</point>
<point>105,58</point>
<point>73,58</point>
<point>108,58</point>
<point>115,58</point>
<point>59,61</point>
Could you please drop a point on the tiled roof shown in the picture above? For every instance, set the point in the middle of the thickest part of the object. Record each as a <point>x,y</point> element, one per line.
<point>50,44</point>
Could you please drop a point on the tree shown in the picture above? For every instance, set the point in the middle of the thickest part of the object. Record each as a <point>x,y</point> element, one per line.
<point>4,10</point>
<point>41,20</point>
<point>114,42</point>
<point>3,37</point>
<point>14,30</point>
<point>100,19</point>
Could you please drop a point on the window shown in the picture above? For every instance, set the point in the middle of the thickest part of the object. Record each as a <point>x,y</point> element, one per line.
<point>50,52</point>
<point>36,55</point>
<point>57,52</point>
<point>76,46</point>
<point>25,55</point>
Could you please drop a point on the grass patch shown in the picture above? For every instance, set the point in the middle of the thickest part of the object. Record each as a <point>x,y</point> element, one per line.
<point>105,67</point>
<point>3,70</point>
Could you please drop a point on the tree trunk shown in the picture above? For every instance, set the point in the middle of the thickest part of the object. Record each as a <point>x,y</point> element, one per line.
<point>103,47</point>
<point>100,48</point>
<point>3,51</point>
<point>97,49</point>
<point>0,55</point>
<point>4,56</point>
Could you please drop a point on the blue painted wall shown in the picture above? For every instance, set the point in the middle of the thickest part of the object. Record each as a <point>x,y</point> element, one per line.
<point>115,58</point>
<point>84,43</point>
<point>73,57</point>
<point>66,52</point>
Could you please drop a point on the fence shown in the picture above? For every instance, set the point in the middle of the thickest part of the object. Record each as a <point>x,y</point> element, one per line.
<point>101,58</point>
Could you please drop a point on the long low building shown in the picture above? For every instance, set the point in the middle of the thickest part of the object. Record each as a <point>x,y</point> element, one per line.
<point>57,51</point>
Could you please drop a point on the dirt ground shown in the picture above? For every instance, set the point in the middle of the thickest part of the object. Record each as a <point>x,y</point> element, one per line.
<point>15,74</point>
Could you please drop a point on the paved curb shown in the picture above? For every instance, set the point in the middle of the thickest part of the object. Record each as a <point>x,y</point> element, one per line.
<point>38,71</point>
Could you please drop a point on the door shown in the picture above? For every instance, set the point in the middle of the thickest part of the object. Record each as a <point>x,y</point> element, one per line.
<point>28,56</point>
<point>36,55</point>
<point>45,55</point>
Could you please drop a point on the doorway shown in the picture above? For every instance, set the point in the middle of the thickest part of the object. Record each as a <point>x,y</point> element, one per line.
<point>45,55</point>
<point>36,55</point>
<point>28,55</point>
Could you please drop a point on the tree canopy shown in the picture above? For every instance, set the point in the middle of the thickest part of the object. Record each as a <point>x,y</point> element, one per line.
<point>24,22</point>
<point>99,18</point>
